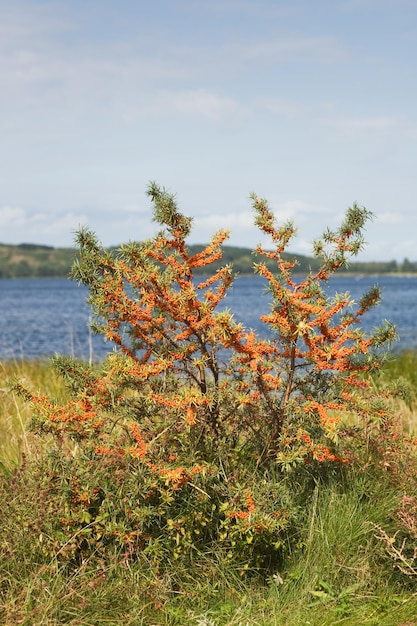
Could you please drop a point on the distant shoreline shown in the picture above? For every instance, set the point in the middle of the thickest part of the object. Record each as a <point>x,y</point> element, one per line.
<point>38,261</point>
<point>357,275</point>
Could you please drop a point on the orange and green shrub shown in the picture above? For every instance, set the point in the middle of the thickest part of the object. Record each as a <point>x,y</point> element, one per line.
<point>196,440</point>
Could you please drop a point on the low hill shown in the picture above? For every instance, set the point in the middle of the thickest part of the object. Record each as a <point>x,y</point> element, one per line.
<point>34,261</point>
<point>29,260</point>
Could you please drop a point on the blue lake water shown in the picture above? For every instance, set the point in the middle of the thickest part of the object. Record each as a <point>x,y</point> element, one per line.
<point>42,317</point>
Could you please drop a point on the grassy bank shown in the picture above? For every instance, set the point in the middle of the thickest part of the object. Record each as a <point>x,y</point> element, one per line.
<point>337,568</point>
<point>14,412</point>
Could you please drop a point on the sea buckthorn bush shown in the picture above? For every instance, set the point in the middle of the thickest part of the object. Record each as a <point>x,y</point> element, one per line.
<point>186,443</point>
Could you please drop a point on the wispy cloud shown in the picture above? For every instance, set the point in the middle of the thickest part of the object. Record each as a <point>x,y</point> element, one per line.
<point>235,221</point>
<point>371,123</point>
<point>280,49</point>
<point>282,107</point>
<point>199,103</point>
<point>12,216</point>
<point>117,78</point>
<point>244,232</point>
<point>302,212</point>
<point>392,218</point>
<point>353,5</point>
<point>42,225</point>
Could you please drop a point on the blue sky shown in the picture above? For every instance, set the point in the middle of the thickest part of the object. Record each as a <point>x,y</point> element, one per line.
<point>311,104</point>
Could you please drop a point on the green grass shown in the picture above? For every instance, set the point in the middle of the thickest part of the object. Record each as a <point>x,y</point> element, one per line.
<point>335,570</point>
<point>338,577</point>
<point>14,412</point>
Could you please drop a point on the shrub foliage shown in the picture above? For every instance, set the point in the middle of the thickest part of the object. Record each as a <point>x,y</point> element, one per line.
<point>179,445</point>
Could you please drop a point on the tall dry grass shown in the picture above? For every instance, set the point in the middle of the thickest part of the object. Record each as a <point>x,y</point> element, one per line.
<point>15,414</point>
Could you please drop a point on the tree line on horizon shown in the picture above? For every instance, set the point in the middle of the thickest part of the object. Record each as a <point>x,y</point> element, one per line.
<point>28,260</point>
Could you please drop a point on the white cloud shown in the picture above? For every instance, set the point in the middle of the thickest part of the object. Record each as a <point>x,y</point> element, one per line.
<point>260,9</point>
<point>299,210</point>
<point>46,58</point>
<point>12,216</point>
<point>29,22</point>
<point>386,249</point>
<point>391,218</point>
<point>205,104</point>
<point>43,226</point>
<point>282,107</point>
<point>243,232</point>
<point>353,5</point>
<point>195,104</point>
<point>235,221</point>
<point>366,124</point>
<point>295,48</point>
<point>118,78</point>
